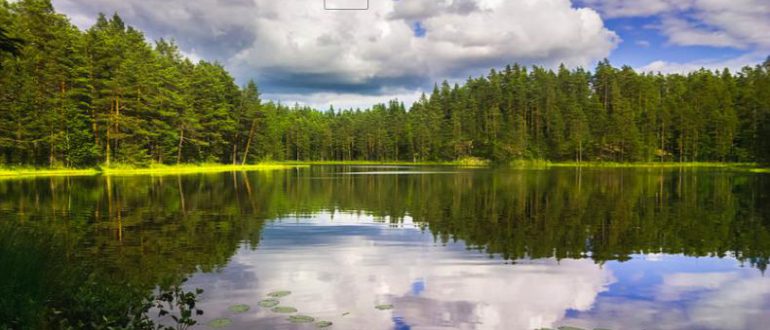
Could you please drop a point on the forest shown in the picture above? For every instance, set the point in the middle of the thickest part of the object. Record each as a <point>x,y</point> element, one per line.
<point>107,95</point>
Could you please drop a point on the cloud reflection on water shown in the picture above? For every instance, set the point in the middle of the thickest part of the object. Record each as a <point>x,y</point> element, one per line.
<point>354,264</point>
<point>338,263</point>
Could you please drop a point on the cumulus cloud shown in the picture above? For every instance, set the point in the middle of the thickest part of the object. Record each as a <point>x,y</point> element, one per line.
<point>734,64</point>
<point>295,46</point>
<point>626,8</point>
<point>739,24</point>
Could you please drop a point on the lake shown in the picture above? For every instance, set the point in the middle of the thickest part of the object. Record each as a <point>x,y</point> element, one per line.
<point>396,247</point>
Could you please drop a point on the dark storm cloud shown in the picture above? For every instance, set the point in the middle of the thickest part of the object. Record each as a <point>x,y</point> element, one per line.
<point>283,81</point>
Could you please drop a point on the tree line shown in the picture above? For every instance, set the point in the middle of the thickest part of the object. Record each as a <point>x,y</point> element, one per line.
<point>106,95</point>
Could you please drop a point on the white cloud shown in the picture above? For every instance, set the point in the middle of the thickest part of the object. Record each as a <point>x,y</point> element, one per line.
<point>734,64</point>
<point>642,8</point>
<point>323,101</point>
<point>296,47</point>
<point>736,23</point>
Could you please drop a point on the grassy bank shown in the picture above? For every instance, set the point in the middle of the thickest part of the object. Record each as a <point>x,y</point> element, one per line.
<point>131,170</point>
<point>158,169</point>
<point>658,165</point>
<point>753,167</point>
<point>31,172</point>
<point>476,162</point>
<point>192,169</point>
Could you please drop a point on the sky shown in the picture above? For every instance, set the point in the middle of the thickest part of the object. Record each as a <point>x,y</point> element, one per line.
<point>298,51</point>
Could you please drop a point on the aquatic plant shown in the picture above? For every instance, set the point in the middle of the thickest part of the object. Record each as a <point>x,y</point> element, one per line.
<point>284,310</point>
<point>279,294</point>
<point>269,303</point>
<point>300,319</point>
<point>220,323</point>
<point>323,324</point>
<point>240,308</point>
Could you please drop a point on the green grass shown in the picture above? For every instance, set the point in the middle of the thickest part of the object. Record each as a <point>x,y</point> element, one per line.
<point>543,164</point>
<point>33,172</point>
<point>467,161</point>
<point>743,166</point>
<point>125,170</point>
<point>160,169</point>
<point>191,169</point>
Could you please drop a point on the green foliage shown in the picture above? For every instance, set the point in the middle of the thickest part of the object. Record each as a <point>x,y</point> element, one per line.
<point>80,98</point>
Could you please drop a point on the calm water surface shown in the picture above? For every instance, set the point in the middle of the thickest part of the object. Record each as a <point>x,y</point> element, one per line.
<point>448,248</point>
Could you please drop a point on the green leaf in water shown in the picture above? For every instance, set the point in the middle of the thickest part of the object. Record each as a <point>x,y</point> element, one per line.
<point>384,307</point>
<point>284,310</point>
<point>301,319</point>
<point>220,323</point>
<point>239,308</point>
<point>323,324</point>
<point>269,303</point>
<point>279,294</point>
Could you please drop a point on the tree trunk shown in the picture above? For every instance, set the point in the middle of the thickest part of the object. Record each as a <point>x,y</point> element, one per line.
<point>179,147</point>
<point>248,141</point>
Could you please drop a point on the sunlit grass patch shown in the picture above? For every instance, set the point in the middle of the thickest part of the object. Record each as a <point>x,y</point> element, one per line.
<point>22,172</point>
<point>159,169</point>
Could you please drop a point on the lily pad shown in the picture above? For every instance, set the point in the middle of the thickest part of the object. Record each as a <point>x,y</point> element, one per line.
<point>239,308</point>
<point>220,323</point>
<point>301,319</point>
<point>284,310</point>
<point>279,294</point>
<point>384,307</point>
<point>323,324</point>
<point>269,303</point>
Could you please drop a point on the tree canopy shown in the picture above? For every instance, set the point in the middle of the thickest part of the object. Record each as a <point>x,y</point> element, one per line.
<point>106,95</point>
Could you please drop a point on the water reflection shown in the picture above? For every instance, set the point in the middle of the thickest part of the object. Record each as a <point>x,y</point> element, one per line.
<point>352,264</point>
<point>469,249</point>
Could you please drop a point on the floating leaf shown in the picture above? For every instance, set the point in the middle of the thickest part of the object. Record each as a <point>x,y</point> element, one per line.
<point>323,324</point>
<point>301,319</point>
<point>279,294</point>
<point>570,328</point>
<point>346,314</point>
<point>384,307</point>
<point>269,303</point>
<point>284,310</point>
<point>220,323</point>
<point>239,308</point>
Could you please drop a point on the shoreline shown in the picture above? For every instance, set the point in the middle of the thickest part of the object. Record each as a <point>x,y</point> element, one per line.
<point>6,173</point>
<point>10,173</point>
